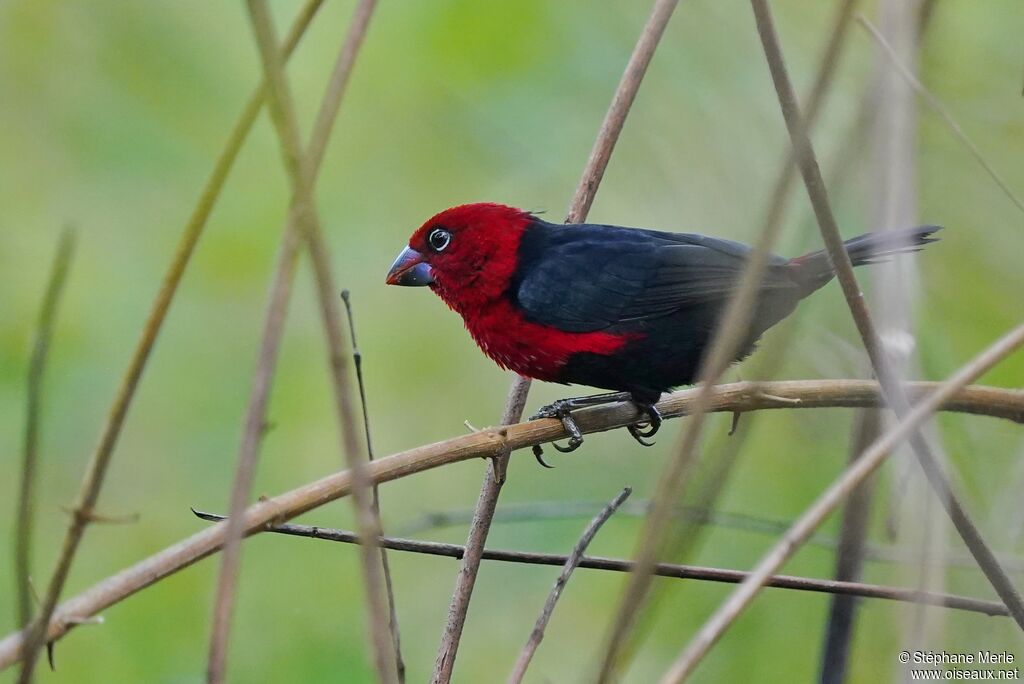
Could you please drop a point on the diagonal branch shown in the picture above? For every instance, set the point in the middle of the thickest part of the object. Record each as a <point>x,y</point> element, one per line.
<point>303,223</point>
<point>721,352</point>
<point>840,261</point>
<point>730,398</point>
<point>868,462</point>
<point>894,200</point>
<point>487,501</point>
<point>571,562</point>
<point>672,570</point>
<point>33,410</point>
<point>96,470</point>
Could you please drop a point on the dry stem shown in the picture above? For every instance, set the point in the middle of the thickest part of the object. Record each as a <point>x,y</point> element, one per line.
<point>841,264</point>
<point>672,570</point>
<point>590,180</point>
<point>721,352</point>
<point>92,481</point>
<point>894,197</point>
<point>535,511</point>
<point>33,415</point>
<point>302,223</point>
<point>869,461</point>
<point>385,565</point>
<point>573,560</point>
<point>743,396</point>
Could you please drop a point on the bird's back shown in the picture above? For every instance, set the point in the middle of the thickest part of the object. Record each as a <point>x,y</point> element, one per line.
<point>582,278</point>
<point>661,293</point>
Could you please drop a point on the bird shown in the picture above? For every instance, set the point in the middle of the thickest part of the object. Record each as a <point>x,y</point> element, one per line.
<point>625,309</point>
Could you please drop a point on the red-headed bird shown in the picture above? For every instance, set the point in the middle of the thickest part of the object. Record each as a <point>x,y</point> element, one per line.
<point>618,308</point>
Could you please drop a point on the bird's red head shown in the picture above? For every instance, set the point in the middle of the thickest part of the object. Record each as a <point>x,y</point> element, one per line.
<point>466,254</point>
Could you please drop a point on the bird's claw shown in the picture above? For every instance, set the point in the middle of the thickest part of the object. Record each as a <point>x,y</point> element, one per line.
<point>538,453</point>
<point>574,444</point>
<point>644,429</point>
<point>640,436</point>
<point>642,432</point>
<point>562,410</point>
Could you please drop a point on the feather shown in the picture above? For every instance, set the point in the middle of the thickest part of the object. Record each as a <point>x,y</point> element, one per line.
<point>587,278</point>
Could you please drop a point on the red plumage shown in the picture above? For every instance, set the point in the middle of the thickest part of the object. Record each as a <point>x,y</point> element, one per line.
<point>473,275</point>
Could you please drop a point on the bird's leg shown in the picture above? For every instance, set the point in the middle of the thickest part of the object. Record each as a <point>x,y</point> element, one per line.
<point>563,408</point>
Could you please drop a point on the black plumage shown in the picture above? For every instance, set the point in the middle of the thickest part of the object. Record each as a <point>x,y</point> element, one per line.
<point>663,292</point>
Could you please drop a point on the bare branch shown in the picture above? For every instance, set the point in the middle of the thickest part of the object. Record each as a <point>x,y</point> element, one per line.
<point>894,200</point>
<point>574,558</point>
<point>252,436</point>
<point>731,329</point>
<point>357,361</point>
<point>302,223</point>
<point>534,511</point>
<point>850,555</point>
<point>869,461</point>
<point>841,264</point>
<point>741,396</point>
<point>92,481</point>
<point>671,570</point>
<point>590,180</point>
<point>33,415</point>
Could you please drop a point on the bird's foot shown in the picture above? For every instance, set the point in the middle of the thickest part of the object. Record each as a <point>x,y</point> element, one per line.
<point>642,432</point>
<point>562,410</point>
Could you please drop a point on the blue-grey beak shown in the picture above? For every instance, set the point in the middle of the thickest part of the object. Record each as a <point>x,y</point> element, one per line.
<point>410,270</point>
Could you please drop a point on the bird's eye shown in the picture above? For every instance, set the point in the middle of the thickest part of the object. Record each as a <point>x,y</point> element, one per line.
<point>439,239</point>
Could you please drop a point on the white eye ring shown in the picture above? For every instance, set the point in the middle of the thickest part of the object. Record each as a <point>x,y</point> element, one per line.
<point>439,239</point>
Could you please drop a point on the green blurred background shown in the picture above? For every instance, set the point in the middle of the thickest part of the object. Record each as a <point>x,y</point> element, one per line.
<point>111,116</point>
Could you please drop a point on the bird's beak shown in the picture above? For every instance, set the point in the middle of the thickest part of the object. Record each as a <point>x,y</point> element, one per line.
<point>410,270</point>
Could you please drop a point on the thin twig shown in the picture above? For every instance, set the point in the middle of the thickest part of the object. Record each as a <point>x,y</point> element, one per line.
<point>483,514</point>
<point>485,444</point>
<point>939,108</point>
<point>590,180</point>
<point>92,481</point>
<point>894,199</point>
<point>672,570</point>
<point>712,476</point>
<point>376,571</point>
<point>252,436</point>
<point>841,264</point>
<point>526,655</point>
<point>535,511</point>
<point>724,344</point>
<point>25,513</point>
<point>357,360</point>
<point>872,458</point>
<point>302,223</point>
<point>851,552</point>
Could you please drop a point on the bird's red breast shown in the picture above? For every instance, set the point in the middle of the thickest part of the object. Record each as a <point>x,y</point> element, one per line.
<point>530,349</point>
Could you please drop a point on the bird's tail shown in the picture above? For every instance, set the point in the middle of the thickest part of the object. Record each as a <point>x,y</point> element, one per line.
<point>814,270</point>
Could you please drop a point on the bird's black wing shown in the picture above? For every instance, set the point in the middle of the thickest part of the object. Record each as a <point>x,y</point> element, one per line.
<point>588,278</point>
